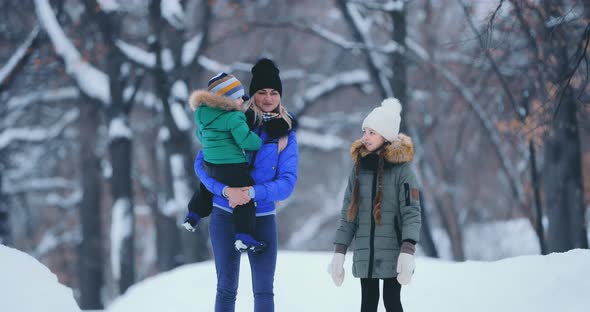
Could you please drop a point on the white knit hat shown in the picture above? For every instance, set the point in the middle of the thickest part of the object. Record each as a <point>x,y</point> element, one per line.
<point>385,119</point>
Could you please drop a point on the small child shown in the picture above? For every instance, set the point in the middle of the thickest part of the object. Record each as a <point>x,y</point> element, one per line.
<point>380,211</point>
<point>225,136</point>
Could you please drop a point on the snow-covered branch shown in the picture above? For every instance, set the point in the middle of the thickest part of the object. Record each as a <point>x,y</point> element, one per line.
<point>353,77</point>
<point>37,185</point>
<point>145,58</point>
<point>191,48</point>
<point>490,130</point>
<point>8,68</point>
<point>89,79</point>
<point>215,66</point>
<point>109,5</point>
<point>45,96</point>
<point>119,128</point>
<point>38,134</point>
<point>53,239</point>
<point>377,62</point>
<point>173,12</point>
<point>17,105</point>
<point>332,37</point>
<point>510,171</point>
<point>329,84</point>
<point>571,15</point>
<point>324,142</point>
<point>389,6</point>
<point>65,202</point>
<point>137,55</point>
<point>145,98</point>
<point>177,100</point>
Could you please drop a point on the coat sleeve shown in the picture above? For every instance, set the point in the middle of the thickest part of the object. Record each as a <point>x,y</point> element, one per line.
<point>214,186</point>
<point>281,187</point>
<point>346,230</point>
<point>241,133</point>
<point>409,203</point>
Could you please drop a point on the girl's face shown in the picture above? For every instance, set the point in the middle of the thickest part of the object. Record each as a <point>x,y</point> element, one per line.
<point>267,100</point>
<point>372,140</point>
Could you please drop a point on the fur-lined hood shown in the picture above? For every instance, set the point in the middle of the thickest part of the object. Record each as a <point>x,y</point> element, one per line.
<point>212,100</point>
<point>399,151</point>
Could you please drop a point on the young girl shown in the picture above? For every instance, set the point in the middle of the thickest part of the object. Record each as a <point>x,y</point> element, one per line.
<point>380,211</point>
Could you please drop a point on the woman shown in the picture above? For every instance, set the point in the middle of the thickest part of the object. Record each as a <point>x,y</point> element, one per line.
<point>274,170</point>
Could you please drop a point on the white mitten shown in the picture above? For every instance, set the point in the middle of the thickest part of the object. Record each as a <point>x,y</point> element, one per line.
<point>336,268</point>
<point>405,268</point>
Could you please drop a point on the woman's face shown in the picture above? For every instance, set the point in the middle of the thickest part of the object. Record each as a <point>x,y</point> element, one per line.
<point>372,140</point>
<point>267,100</point>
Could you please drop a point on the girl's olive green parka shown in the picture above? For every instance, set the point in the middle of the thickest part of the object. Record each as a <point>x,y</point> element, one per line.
<point>377,246</point>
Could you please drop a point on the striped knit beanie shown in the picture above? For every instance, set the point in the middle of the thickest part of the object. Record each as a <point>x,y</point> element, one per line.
<point>226,85</point>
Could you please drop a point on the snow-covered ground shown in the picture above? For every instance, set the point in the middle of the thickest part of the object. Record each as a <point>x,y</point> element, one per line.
<point>557,282</point>
<point>28,285</point>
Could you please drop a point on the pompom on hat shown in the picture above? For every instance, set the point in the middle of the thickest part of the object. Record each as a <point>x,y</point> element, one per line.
<point>385,119</point>
<point>265,74</point>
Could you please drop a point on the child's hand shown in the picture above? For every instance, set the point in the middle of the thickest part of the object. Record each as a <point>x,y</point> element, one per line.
<point>406,263</point>
<point>336,268</point>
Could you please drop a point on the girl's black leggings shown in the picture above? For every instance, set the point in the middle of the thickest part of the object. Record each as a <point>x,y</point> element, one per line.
<point>370,295</point>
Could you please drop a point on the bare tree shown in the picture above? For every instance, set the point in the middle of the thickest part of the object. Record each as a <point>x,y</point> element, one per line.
<point>391,81</point>
<point>105,88</point>
<point>563,181</point>
<point>91,256</point>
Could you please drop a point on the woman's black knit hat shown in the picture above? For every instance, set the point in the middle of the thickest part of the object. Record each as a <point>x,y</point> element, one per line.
<point>265,74</point>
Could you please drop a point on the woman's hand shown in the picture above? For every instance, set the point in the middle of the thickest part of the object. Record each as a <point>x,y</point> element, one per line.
<point>237,195</point>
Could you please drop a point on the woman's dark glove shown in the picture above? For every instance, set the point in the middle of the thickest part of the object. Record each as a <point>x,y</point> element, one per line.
<point>250,116</point>
<point>276,127</point>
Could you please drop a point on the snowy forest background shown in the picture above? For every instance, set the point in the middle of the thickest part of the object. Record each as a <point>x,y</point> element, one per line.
<point>97,141</point>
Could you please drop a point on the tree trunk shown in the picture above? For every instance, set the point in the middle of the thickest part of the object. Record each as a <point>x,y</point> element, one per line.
<point>563,180</point>
<point>4,217</point>
<point>399,87</point>
<point>90,250</point>
<point>117,115</point>
<point>186,247</point>
<point>426,240</point>
<point>451,225</point>
<point>536,184</point>
<point>169,242</point>
<point>374,72</point>
<point>120,152</point>
<point>399,61</point>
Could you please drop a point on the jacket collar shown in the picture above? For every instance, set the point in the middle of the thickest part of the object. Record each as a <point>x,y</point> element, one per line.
<point>204,97</point>
<point>400,151</point>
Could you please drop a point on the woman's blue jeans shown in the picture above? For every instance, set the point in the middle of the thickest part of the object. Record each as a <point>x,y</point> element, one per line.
<point>227,261</point>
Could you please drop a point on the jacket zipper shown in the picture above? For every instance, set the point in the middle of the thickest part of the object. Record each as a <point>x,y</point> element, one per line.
<point>372,238</point>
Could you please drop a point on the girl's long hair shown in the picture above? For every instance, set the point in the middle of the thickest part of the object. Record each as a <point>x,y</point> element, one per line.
<point>354,202</point>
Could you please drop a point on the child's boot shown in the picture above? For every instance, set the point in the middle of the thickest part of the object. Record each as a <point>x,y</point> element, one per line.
<point>245,242</point>
<point>191,221</point>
